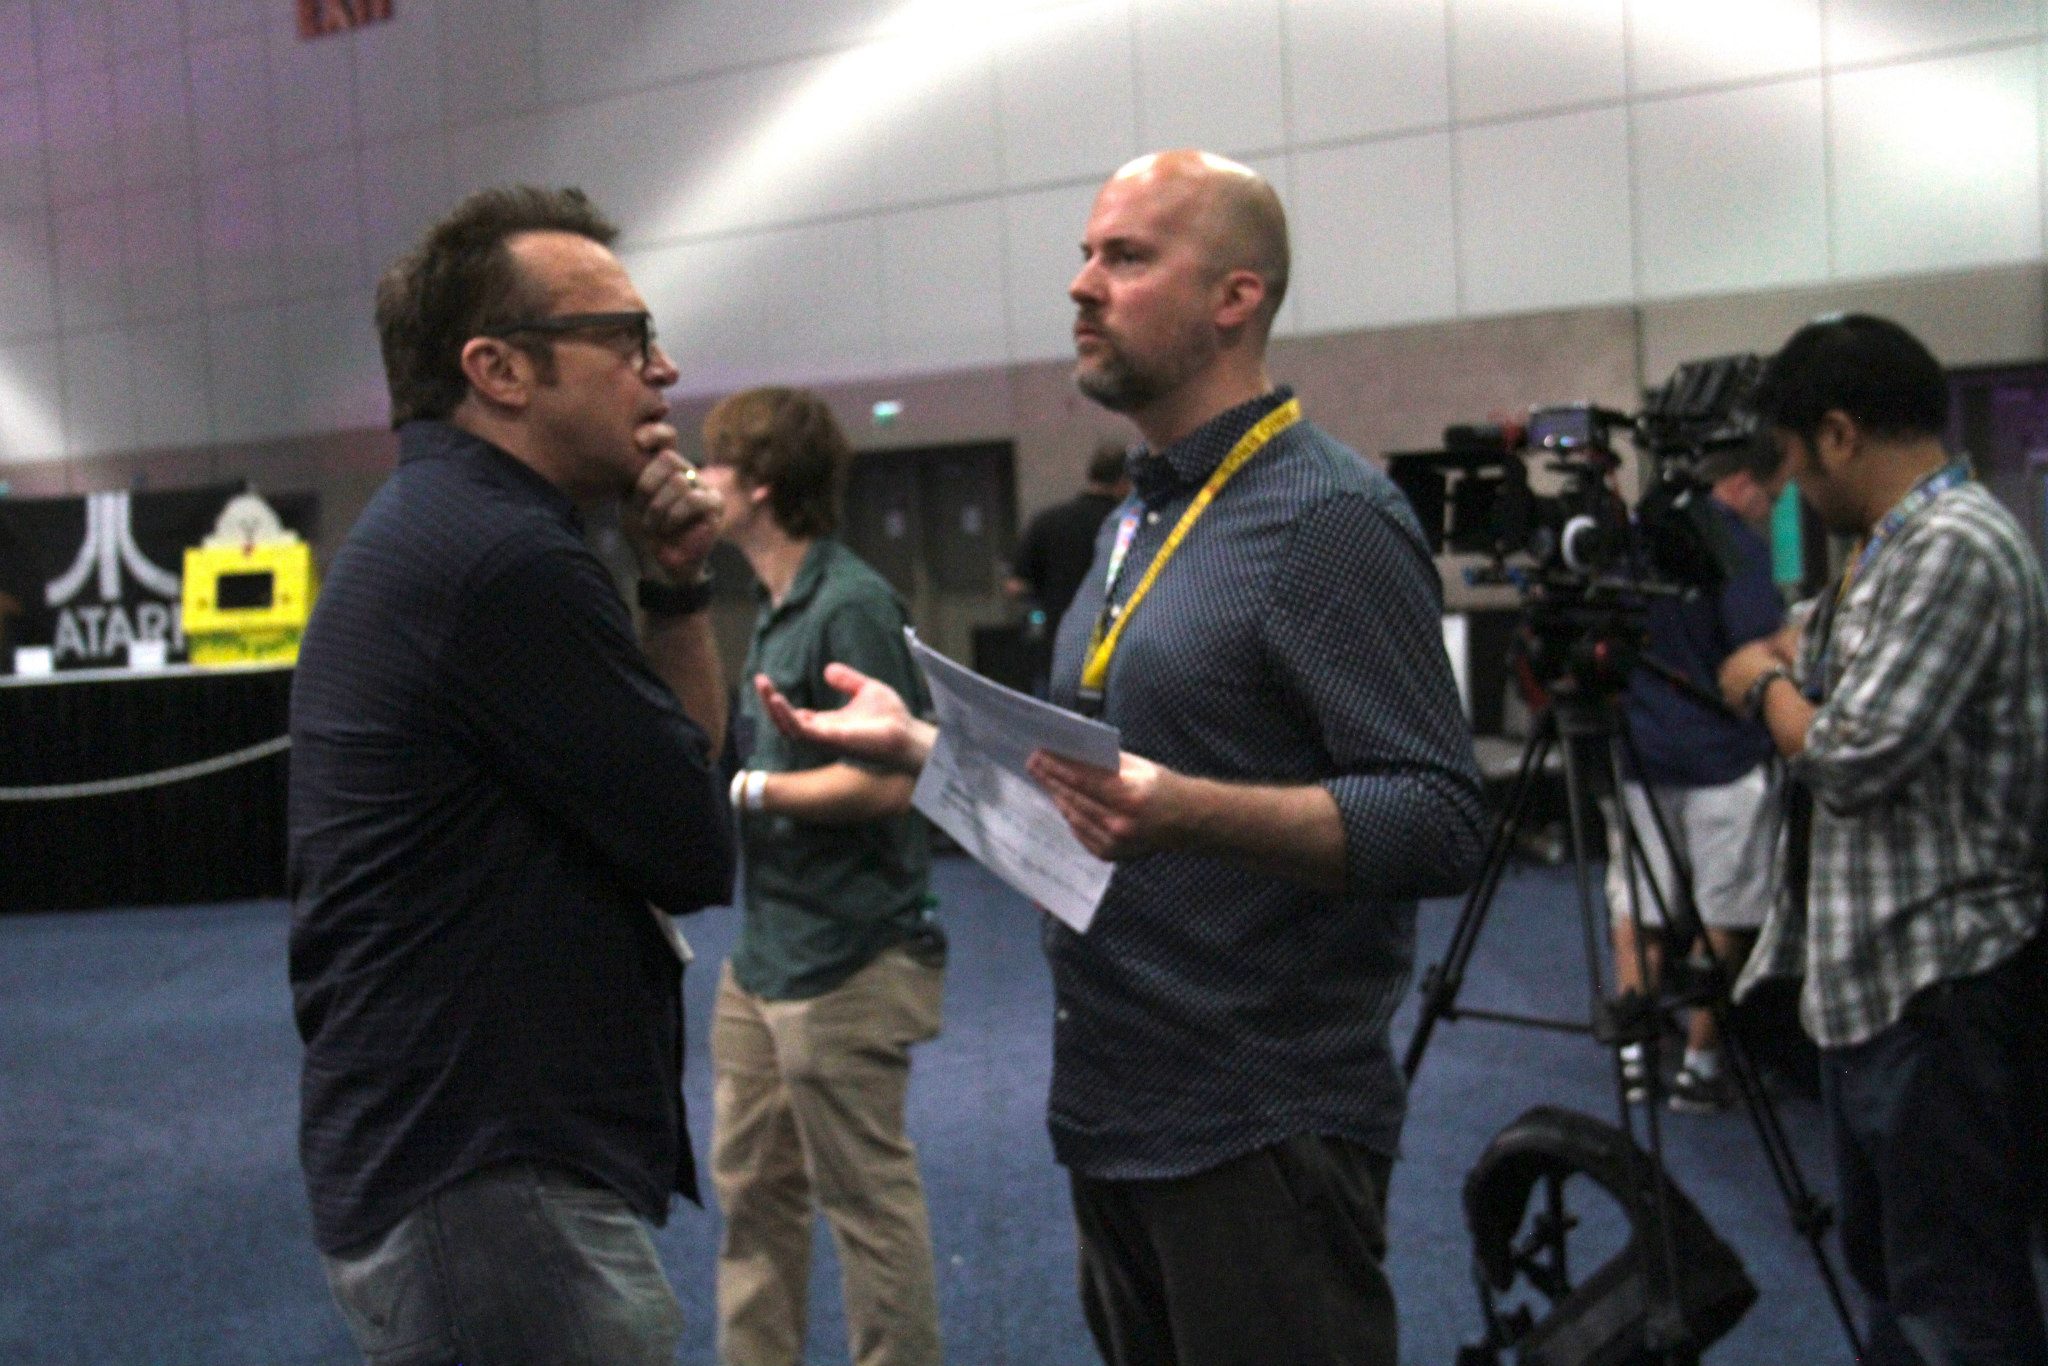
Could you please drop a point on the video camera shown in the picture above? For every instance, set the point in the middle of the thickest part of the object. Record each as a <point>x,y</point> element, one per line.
<point>1583,564</point>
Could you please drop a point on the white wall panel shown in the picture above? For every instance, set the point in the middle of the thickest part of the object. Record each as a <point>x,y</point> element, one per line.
<point>1068,83</point>
<point>319,224</point>
<point>818,307</point>
<point>1937,164</point>
<point>723,35</point>
<point>22,185</point>
<point>17,45</point>
<point>167,371</point>
<point>942,288</point>
<point>1043,232</point>
<point>1731,190</point>
<point>1884,30</point>
<point>31,419</point>
<point>398,75</point>
<point>212,18</point>
<point>1358,67</point>
<point>591,146</point>
<point>245,356</point>
<point>1521,56</point>
<point>495,152</point>
<point>238,237</point>
<point>99,393</point>
<point>79,112</point>
<point>1543,213</point>
<point>490,58</point>
<point>145,27</point>
<point>312,90</point>
<point>1675,44</point>
<point>774,145</point>
<point>230,101</point>
<point>72,35</point>
<point>152,120</point>
<point>600,47</point>
<point>934,122</point>
<point>28,277</point>
<point>1209,75</point>
<point>90,276</point>
<point>1372,224</point>
<point>160,244</point>
<point>333,370</point>
<point>405,188</point>
<point>698,294</point>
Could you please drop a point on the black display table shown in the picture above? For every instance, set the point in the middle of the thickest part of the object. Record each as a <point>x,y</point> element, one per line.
<point>217,836</point>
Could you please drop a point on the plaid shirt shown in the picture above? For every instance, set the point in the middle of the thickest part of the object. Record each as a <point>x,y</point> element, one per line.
<point>1928,762</point>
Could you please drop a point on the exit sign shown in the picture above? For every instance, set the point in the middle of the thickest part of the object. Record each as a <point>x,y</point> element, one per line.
<point>318,18</point>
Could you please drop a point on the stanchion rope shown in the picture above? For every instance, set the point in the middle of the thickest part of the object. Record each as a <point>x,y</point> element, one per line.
<point>107,787</point>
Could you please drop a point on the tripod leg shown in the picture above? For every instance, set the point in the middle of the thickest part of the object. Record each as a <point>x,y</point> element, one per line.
<point>1441,982</point>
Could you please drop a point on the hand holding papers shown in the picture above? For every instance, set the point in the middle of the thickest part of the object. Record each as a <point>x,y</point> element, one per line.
<point>975,787</point>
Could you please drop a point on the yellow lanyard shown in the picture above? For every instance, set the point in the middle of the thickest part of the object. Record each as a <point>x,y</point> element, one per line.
<point>1101,646</point>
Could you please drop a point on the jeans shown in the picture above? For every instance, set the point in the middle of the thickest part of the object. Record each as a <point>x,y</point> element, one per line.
<point>1272,1257</point>
<point>1935,1151</point>
<point>808,1118</point>
<point>522,1262</point>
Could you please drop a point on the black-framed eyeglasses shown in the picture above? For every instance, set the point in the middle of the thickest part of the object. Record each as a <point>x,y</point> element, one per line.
<point>636,326</point>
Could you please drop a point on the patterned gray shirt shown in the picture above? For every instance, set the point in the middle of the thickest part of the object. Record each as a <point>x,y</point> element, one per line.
<point>1928,761</point>
<point>1295,637</point>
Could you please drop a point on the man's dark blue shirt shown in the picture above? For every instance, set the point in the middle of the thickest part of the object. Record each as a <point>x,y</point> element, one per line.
<point>489,787</point>
<point>1294,637</point>
<point>1682,741</point>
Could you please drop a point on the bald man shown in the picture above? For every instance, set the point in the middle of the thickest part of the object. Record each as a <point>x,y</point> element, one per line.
<point>1261,624</point>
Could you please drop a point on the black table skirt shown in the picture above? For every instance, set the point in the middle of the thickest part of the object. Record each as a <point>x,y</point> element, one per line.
<point>220,837</point>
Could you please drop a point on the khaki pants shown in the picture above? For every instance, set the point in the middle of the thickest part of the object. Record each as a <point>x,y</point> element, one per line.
<point>808,1116</point>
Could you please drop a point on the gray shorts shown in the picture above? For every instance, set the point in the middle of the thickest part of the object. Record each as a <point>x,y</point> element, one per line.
<point>521,1262</point>
<point>1728,834</point>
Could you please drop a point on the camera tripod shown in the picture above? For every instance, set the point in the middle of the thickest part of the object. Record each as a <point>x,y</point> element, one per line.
<point>1587,729</point>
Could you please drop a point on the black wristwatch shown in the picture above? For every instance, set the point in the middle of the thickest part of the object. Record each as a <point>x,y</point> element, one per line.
<point>660,598</point>
<point>1753,700</point>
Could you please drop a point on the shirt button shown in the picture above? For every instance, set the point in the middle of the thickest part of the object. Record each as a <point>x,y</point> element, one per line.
<point>1060,1015</point>
<point>1150,518</point>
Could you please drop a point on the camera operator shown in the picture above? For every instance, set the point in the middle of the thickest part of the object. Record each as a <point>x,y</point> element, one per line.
<point>1708,773</point>
<point>1914,711</point>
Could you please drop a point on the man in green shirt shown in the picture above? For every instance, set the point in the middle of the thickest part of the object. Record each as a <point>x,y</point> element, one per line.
<point>839,967</point>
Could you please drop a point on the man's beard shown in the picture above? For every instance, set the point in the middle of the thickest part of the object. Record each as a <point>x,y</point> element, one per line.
<point>1124,385</point>
<point>1118,385</point>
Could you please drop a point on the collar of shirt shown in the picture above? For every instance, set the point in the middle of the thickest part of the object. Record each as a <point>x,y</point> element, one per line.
<point>426,439</point>
<point>809,575</point>
<point>1192,459</point>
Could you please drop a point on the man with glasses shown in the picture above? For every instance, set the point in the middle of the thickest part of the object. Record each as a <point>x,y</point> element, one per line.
<point>493,785</point>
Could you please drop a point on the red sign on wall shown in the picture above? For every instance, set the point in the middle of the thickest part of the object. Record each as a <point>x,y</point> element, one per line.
<point>320,17</point>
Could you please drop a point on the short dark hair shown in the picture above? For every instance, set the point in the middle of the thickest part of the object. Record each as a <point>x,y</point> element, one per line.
<point>1757,457</point>
<point>1106,466</point>
<point>788,440</point>
<point>461,282</point>
<point>1868,367</point>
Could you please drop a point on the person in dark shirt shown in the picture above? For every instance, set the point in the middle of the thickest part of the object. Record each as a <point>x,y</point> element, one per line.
<point>498,797</point>
<point>840,966</point>
<point>1059,543</point>
<point>1709,773</point>
<point>1263,627</point>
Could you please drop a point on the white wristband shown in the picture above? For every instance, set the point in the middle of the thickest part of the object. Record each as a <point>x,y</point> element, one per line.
<point>737,792</point>
<point>756,786</point>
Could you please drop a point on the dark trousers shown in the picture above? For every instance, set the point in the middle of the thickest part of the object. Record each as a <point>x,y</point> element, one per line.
<point>1272,1257</point>
<point>1934,1126</point>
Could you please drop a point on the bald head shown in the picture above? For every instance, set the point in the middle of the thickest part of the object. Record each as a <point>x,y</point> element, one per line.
<point>1229,207</point>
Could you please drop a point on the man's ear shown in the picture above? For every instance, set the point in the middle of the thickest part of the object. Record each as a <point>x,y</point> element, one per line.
<point>497,371</point>
<point>1836,440</point>
<point>1240,293</point>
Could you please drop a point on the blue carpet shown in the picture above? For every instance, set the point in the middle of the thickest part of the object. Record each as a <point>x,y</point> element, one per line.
<point>151,1211</point>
